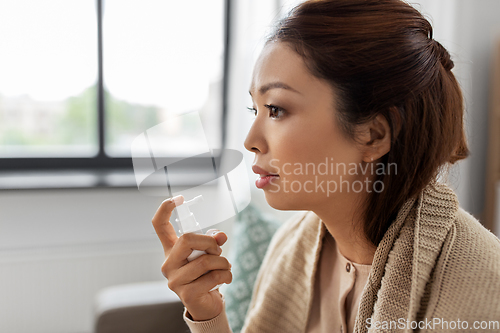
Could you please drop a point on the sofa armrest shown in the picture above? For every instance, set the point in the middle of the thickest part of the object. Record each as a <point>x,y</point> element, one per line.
<point>147,307</point>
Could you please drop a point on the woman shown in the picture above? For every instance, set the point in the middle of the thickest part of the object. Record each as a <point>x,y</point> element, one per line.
<point>357,112</point>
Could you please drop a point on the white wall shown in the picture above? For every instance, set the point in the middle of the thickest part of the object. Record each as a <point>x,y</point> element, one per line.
<point>59,247</point>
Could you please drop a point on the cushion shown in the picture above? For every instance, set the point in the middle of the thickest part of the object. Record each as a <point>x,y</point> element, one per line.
<point>252,233</point>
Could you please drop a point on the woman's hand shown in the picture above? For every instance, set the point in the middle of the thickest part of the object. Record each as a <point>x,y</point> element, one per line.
<point>192,281</point>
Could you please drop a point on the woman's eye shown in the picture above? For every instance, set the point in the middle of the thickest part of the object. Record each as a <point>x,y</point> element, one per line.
<point>275,112</point>
<point>253,110</point>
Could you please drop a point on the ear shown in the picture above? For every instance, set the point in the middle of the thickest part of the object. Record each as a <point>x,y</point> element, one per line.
<point>375,137</point>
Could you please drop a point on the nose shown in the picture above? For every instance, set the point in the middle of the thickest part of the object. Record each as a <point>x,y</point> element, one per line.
<point>255,141</point>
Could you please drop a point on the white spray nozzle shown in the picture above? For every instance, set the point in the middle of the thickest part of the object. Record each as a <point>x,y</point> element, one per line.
<point>186,219</point>
<point>194,200</point>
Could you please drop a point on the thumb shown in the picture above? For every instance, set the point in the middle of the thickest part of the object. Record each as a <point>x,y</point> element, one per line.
<point>219,236</point>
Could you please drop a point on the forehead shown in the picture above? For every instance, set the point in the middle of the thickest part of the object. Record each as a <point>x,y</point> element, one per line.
<point>278,62</point>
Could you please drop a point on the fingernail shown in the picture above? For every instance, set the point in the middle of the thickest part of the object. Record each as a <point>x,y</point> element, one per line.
<point>214,232</point>
<point>178,200</point>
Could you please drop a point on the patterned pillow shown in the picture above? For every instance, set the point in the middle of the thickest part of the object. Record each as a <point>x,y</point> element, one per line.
<point>251,236</point>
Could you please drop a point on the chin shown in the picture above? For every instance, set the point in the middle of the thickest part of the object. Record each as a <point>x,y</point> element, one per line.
<point>283,201</point>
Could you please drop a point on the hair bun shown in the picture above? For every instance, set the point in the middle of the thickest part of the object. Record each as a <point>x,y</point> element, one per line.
<point>443,55</point>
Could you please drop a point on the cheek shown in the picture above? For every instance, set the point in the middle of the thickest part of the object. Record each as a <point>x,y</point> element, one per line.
<point>312,142</point>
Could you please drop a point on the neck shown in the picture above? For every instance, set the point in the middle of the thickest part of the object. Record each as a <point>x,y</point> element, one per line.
<point>347,229</point>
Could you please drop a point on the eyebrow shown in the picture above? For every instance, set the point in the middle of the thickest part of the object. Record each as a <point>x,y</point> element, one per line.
<point>274,85</point>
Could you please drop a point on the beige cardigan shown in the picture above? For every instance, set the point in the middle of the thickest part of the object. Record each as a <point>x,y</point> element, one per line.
<point>436,262</point>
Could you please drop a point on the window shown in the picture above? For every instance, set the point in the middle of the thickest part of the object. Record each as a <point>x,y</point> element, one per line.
<point>81,79</point>
<point>48,67</point>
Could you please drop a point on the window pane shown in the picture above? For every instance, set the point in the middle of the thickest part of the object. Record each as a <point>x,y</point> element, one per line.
<point>161,58</point>
<point>48,74</point>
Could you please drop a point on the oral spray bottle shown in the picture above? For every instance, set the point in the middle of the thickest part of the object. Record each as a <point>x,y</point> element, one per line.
<point>187,224</point>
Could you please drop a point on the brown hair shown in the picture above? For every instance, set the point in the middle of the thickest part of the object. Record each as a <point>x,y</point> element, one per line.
<point>380,57</point>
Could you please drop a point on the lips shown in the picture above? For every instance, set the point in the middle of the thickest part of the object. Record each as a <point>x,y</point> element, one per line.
<point>265,176</point>
<point>260,171</point>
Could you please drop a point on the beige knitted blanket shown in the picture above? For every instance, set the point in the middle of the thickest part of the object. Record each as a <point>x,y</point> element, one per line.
<point>437,267</point>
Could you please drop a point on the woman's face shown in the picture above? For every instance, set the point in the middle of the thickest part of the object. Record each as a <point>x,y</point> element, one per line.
<point>295,134</point>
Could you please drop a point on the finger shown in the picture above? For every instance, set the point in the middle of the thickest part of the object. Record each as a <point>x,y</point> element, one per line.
<point>189,242</point>
<point>208,281</point>
<point>161,223</point>
<point>219,236</point>
<point>198,267</point>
